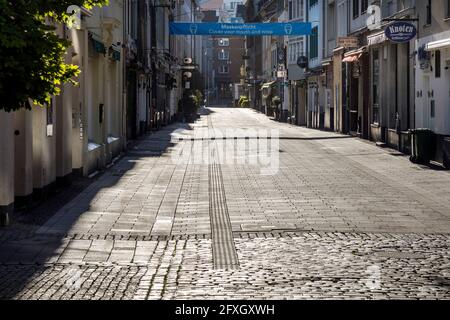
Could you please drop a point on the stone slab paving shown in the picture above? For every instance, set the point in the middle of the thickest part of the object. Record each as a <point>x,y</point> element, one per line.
<point>341,218</point>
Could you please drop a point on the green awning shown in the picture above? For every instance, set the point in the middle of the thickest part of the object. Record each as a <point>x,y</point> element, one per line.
<point>99,46</point>
<point>115,55</point>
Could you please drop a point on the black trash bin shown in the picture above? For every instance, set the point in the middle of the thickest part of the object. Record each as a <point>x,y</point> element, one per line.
<point>422,146</point>
<point>446,150</point>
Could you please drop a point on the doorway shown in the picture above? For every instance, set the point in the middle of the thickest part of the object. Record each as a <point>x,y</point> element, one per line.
<point>428,104</point>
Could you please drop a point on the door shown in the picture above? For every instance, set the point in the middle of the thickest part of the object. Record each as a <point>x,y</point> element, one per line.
<point>428,104</point>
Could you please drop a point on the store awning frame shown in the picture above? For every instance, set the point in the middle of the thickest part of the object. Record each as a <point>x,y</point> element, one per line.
<point>376,39</point>
<point>438,45</point>
<point>354,55</point>
<point>352,58</point>
<point>267,85</point>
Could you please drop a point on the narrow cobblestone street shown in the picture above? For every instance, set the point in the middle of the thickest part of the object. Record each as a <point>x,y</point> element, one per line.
<point>340,218</point>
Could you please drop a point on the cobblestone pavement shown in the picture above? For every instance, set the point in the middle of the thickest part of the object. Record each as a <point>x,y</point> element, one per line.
<point>339,218</point>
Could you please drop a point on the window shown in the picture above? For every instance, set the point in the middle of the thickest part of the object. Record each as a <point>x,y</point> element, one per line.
<point>437,64</point>
<point>224,55</point>
<point>364,6</point>
<point>295,51</point>
<point>331,25</point>
<point>224,69</point>
<point>312,3</point>
<point>355,9</point>
<point>428,13</point>
<point>224,42</point>
<point>291,53</point>
<point>448,8</point>
<point>376,86</point>
<point>302,9</point>
<point>301,49</point>
<point>290,10</point>
<point>314,43</point>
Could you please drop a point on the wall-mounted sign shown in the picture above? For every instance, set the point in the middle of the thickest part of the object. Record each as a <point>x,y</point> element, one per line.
<point>400,32</point>
<point>282,74</point>
<point>241,29</point>
<point>348,42</point>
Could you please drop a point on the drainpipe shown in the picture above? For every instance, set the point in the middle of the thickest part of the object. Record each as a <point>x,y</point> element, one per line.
<point>124,77</point>
<point>153,57</point>
<point>408,88</point>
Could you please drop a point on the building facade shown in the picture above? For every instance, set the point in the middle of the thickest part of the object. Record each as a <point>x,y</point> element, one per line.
<point>81,130</point>
<point>432,76</point>
<point>130,83</point>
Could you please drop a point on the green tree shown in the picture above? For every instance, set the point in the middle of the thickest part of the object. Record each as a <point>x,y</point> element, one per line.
<point>31,54</point>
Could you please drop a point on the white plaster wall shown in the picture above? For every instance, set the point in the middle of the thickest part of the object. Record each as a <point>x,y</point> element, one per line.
<point>23,152</point>
<point>6,158</point>
<point>80,99</point>
<point>44,148</point>
<point>441,90</point>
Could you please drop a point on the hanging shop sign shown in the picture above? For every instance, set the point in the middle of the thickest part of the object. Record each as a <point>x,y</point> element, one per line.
<point>400,32</point>
<point>282,74</point>
<point>348,42</point>
<point>241,29</point>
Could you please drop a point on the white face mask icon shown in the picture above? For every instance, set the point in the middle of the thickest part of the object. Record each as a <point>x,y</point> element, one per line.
<point>74,21</point>
<point>288,28</point>
<point>193,28</point>
<point>374,19</point>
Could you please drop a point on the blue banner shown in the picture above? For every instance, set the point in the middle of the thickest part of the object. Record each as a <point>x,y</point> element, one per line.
<point>241,29</point>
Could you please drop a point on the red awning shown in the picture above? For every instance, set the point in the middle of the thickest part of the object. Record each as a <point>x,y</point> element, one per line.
<point>352,58</point>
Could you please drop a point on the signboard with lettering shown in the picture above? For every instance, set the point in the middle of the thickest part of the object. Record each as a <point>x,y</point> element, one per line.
<point>241,29</point>
<point>400,32</point>
<point>282,74</point>
<point>348,42</point>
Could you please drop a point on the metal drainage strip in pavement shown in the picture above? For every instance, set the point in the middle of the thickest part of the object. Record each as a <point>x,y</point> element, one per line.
<point>223,248</point>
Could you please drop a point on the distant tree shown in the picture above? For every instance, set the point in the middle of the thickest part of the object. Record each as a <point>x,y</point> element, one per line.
<point>31,54</point>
